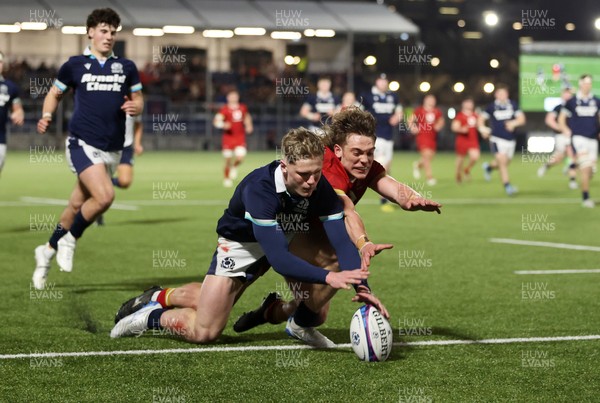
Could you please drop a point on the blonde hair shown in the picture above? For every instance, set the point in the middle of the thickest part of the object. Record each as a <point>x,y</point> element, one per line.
<point>301,143</point>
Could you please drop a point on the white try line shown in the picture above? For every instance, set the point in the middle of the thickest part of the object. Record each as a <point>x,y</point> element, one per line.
<point>545,244</point>
<point>60,202</point>
<point>293,347</point>
<point>559,271</point>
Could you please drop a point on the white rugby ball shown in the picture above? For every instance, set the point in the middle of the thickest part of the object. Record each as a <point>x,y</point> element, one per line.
<point>370,334</point>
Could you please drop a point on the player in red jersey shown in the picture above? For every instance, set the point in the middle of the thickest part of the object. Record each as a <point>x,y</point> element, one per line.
<point>464,126</point>
<point>350,168</point>
<point>236,123</point>
<point>425,123</point>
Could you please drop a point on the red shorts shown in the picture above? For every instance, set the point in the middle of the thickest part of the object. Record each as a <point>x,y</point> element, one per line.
<point>231,142</point>
<point>426,140</point>
<point>463,144</point>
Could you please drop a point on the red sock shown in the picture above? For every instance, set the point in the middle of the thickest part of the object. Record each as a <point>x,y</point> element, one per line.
<point>226,172</point>
<point>163,297</point>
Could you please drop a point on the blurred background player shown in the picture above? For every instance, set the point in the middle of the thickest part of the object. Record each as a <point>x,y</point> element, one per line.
<point>504,116</point>
<point>236,122</point>
<point>464,126</point>
<point>106,89</point>
<point>132,147</point>
<point>254,231</point>
<point>425,123</point>
<point>10,106</point>
<point>348,100</point>
<point>350,168</point>
<point>562,143</point>
<point>384,106</point>
<point>579,120</point>
<point>318,107</point>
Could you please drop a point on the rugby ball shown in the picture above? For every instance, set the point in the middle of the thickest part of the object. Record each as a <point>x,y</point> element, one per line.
<point>370,334</point>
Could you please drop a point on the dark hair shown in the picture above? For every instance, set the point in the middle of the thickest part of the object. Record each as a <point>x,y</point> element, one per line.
<point>107,16</point>
<point>584,76</point>
<point>502,86</point>
<point>351,120</point>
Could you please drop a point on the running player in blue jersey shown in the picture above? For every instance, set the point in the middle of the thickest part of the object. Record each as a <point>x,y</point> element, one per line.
<point>383,104</point>
<point>268,207</point>
<point>583,127</point>
<point>131,148</point>
<point>106,88</point>
<point>562,143</point>
<point>320,106</point>
<point>504,116</point>
<point>10,107</point>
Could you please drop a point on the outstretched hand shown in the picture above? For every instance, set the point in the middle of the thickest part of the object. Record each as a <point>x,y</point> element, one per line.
<point>345,278</point>
<point>416,203</point>
<point>363,295</point>
<point>369,250</point>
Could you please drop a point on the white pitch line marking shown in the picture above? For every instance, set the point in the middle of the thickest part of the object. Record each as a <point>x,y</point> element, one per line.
<point>559,271</point>
<point>294,347</point>
<point>60,202</point>
<point>545,244</point>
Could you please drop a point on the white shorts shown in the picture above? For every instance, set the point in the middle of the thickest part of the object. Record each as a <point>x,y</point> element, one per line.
<point>503,146</point>
<point>2,155</point>
<point>384,150</point>
<point>81,156</point>
<point>238,151</point>
<point>586,151</point>
<point>561,142</point>
<point>238,259</point>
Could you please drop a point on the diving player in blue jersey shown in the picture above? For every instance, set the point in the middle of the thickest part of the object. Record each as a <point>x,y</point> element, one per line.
<point>268,207</point>
<point>320,106</point>
<point>10,107</point>
<point>106,88</point>
<point>583,127</point>
<point>383,104</point>
<point>504,116</point>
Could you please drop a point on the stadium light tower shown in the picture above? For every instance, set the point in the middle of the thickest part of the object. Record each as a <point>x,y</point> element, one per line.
<point>597,24</point>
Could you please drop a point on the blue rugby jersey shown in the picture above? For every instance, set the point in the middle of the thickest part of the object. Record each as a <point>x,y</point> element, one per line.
<point>498,113</point>
<point>261,210</point>
<point>99,93</point>
<point>382,106</point>
<point>583,115</point>
<point>321,105</point>
<point>9,94</point>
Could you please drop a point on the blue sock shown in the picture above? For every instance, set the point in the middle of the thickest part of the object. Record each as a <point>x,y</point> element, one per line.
<point>79,225</point>
<point>56,235</point>
<point>115,181</point>
<point>586,195</point>
<point>305,317</point>
<point>154,319</point>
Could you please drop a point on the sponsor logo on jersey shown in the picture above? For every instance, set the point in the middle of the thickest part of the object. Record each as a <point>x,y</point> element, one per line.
<point>103,82</point>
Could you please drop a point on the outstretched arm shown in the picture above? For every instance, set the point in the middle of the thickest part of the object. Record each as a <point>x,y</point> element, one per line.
<point>275,246</point>
<point>358,234</point>
<point>404,195</point>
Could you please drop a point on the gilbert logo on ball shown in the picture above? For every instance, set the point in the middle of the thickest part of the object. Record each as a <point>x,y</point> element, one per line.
<point>370,334</point>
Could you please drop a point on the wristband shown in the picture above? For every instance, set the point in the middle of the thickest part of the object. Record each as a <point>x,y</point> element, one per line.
<point>361,241</point>
<point>47,115</point>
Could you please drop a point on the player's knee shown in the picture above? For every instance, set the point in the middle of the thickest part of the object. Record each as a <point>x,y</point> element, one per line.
<point>206,335</point>
<point>105,199</point>
<point>124,183</point>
